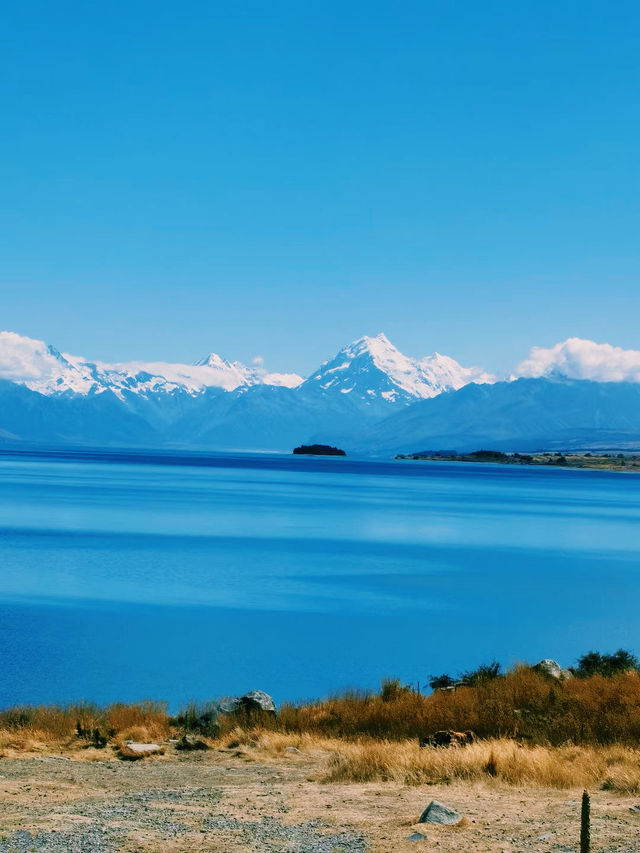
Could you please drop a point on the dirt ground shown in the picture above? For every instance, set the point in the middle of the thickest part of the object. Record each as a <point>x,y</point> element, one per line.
<point>232,801</point>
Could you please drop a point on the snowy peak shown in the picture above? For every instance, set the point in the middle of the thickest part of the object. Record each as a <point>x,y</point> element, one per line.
<point>212,360</point>
<point>250,375</point>
<point>374,369</point>
<point>42,368</point>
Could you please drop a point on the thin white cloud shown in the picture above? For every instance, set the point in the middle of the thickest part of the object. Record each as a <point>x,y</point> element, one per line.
<point>576,358</point>
<point>258,360</point>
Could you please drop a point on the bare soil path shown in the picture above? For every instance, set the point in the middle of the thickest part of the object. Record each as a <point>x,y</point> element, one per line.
<point>232,801</point>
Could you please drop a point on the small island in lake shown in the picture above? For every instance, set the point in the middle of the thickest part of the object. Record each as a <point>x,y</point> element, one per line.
<point>318,450</point>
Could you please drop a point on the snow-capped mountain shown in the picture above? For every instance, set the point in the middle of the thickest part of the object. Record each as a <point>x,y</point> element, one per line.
<point>369,397</point>
<point>214,402</point>
<point>370,369</point>
<point>374,370</point>
<point>42,368</point>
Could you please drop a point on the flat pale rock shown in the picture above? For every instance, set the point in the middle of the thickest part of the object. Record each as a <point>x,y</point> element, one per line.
<point>144,748</point>
<point>634,809</point>
<point>417,836</point>
<point>437,812</point>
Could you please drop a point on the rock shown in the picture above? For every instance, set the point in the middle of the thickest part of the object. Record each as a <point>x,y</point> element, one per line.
<point>258,700</point>
<point>144,748</point>
<point>634,809</point>
<point>229,704</point>
<point>553,669</point>
<point>437,812</point>
<point>417,836</point>
<point>448,737</point>
<point>546,836</point>
<point>292,749</point>
<point>189,743</point>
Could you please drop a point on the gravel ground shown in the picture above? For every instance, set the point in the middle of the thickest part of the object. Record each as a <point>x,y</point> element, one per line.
<point>247,802</point>
<point>80,807</point>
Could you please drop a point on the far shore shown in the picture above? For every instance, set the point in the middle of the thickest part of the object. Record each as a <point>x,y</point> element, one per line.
<point>614,461</point>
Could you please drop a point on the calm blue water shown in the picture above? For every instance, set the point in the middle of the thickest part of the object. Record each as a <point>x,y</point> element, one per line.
<point>126,579</point>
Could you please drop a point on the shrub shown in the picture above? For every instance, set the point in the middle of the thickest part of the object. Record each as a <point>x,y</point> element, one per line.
<point>485,672</point>
<point>607,665</point>
<point>441,682</point>
<point>392,689</point>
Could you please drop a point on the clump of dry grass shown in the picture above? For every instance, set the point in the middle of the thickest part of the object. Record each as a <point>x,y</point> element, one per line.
<point>501,760</point>
<point>31,729</point>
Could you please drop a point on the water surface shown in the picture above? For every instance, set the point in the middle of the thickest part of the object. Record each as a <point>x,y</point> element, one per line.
<point>179,578</point>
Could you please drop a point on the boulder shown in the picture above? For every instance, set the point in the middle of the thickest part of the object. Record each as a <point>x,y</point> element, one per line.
<point>258,700</point>
<point>189,743</point>
<point>553,669</point>
<point>229,704</point>
<point>205,720</point>
<point>437,812</point>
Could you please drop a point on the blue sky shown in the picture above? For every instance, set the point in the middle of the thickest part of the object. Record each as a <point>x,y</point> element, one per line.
<point>279,178</point>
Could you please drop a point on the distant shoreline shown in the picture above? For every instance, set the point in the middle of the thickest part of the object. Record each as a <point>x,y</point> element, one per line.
<point>626,463</point>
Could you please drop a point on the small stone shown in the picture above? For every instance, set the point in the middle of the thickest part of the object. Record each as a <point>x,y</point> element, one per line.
<point>437,812</point>
<point>292,749</point>
<point>190,743</point>
<point>634,809</point>
<point>546,836</point>
<point>417,836</point>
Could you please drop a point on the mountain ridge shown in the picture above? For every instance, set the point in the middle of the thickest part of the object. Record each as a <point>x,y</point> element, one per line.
<point>369,397</point>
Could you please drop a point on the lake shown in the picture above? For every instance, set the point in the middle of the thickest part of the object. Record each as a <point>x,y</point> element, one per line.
<point>181,578</point>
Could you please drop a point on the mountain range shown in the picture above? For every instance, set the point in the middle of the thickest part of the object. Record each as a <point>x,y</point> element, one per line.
<point>369,398</point>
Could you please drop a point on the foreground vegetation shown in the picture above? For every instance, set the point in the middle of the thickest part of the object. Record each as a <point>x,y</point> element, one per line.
<point>532,728</point>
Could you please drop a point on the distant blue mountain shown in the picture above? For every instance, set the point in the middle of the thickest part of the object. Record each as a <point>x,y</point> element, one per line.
<point>525,414</point>
<point>369,398</point>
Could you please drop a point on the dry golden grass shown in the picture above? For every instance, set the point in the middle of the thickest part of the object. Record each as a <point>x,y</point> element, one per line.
<point>573,733</point>
<point>497,761</point>
<point>522,704</point>
<point>36,729</point>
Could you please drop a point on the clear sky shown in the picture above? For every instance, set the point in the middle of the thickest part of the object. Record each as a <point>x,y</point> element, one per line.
<point>277,178</point>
